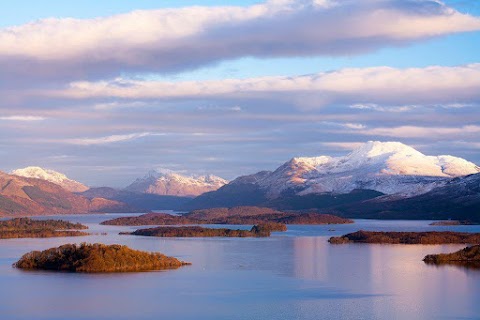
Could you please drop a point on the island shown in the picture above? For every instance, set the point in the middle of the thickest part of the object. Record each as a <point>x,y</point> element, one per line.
<point>260,230</point>
<point>433,237</point>
<point>468,257</point>
<point>96,258</point>
<point>452,223</point>
<point>28,228</point>
<point>236,215</point>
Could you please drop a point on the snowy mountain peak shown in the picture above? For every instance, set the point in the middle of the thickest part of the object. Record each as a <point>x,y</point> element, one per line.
<point>51,176</point>
<point>387,167</point>
<point>166,182</point>
<point>377,148</point>
<point>313,161</point>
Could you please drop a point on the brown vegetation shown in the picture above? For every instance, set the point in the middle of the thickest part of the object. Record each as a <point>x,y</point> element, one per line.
<point>236,215</point>
<point>97,257</point>
<point>28,228</point>
<point>452,223</point>
<point>407,237</point>
<point>469,257</point>
<point>260,230</point>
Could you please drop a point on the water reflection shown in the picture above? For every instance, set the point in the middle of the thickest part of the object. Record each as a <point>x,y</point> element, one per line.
<point>310,258</point>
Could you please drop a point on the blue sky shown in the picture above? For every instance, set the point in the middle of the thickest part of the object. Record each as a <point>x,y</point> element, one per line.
<point>106,100</point>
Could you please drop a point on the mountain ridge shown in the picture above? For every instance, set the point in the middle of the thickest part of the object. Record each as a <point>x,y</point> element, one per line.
<point>175,184</point>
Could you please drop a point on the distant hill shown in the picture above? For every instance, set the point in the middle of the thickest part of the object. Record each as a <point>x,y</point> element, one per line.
<point>31,196</point>
<point>138,201</point>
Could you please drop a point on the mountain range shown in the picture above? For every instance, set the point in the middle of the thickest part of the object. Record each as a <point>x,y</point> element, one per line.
<point>173,184</point>
<point>377,180</point>
<point>372,170</point>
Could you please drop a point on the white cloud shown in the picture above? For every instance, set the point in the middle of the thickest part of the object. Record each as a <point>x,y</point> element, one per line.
<point>358,87</point>
<point>355,126</point>
<point>22,118</point>
<point>183,38</point>
<point>111,139</point>
<point>376,107</point>
<point>118,105</point>
<point>347,125</point>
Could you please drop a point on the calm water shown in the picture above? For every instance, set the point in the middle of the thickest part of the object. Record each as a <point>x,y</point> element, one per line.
<point>292,275</point>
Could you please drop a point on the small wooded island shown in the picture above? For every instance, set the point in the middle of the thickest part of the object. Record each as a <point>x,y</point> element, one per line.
<point>235,215</point>
<point>468,257</point>
<point>28,228</point>
<point>95,258</point>
<point>260,230</point>
<point>433,237</point>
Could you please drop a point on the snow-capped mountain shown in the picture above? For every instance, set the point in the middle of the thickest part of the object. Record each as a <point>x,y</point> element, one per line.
<point>51,176</point>
<point>174,184</point>
<point>387,167</point>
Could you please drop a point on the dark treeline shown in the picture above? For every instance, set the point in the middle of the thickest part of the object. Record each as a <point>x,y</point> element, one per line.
<point>28,228</point>
<point>97,257</point>
<point>433,237</point>
<point>236,215</point>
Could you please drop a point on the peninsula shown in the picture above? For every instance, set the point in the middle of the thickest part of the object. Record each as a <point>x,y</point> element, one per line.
<point>468,257</point>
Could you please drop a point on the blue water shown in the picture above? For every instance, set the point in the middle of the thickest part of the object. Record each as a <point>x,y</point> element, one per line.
<point>292,275</point>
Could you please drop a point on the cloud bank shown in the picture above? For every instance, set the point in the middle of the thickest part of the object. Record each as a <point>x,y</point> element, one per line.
<point>169,40</point>
<point>373,88</point>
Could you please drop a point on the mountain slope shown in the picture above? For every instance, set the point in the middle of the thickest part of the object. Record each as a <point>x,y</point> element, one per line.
<point>458,199</point>
<point>381,167</point>
<point>173,184</point>
<point>30,196</point>
<point>138,201</point>
<point>52,176</point>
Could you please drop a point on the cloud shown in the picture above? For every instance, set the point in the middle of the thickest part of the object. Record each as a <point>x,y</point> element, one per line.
<point>22,118</point>
<point>376,107</point>
<point>219,109</point>
<point>343,145</point>
<point>361,88</point>
<point>423,132</point>
<point>347,125</point>
<point>110,139</point>
<point>118,105</point>
<point>169,40</point>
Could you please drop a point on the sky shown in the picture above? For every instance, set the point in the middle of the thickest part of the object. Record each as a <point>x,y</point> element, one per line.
<point>105,91</point>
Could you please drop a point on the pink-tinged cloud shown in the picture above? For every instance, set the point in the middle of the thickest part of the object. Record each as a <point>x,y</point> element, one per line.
<point>365,87</point>
<point>169,40</point>
<point>423,132</point>
<point>109,139</point>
